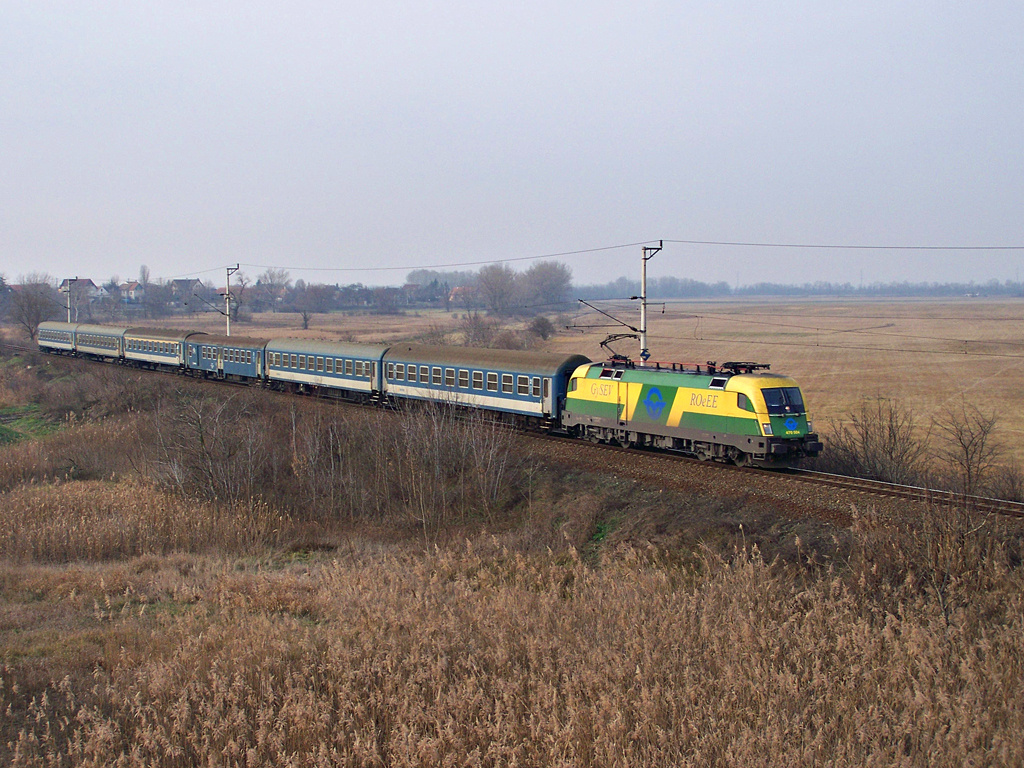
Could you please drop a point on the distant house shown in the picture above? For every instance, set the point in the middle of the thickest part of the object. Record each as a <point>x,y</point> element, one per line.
<point>182,289</point>
<point>465,295</point>
<point>132,292</point>
<point>83,286</point>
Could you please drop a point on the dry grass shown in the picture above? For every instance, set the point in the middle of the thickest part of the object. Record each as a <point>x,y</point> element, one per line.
<point>97,521</point>
<point>487,658</point>
<point>149,628</point>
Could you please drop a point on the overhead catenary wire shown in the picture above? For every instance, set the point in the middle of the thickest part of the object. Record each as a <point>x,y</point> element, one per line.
<point>584,251</point>
<point>947,353</point>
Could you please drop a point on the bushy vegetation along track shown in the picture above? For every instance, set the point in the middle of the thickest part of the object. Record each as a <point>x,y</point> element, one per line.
<point>828,496</point>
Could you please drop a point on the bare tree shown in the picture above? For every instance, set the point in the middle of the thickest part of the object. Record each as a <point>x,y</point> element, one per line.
<point>239,291</point>
<point>476,330</point>
<point>542,326</point>
<point>272,284</point>
<point>546,286</point>
<point>881,441</point>
<point>498,285</point>
<point>5,296</point>
<point>969,447</point>
<point>386,300</point>
<point>33,302</point>
<point>311,300</point>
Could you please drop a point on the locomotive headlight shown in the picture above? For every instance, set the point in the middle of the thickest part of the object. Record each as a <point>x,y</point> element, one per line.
<point>767,429</point>
<point>810,425</point>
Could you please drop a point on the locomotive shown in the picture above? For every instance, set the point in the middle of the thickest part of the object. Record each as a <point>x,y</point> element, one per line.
<point>737,412</point>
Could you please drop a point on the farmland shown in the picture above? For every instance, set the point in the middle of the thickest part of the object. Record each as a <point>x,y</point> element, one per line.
<point>311,609</point>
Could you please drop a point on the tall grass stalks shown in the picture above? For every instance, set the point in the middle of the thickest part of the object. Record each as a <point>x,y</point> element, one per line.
<point>461,658</point>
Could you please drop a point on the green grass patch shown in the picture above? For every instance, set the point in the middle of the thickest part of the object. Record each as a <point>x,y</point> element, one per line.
<point>24,422</point>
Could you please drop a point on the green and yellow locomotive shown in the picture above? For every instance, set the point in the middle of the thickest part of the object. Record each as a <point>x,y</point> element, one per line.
<point>734,412</point>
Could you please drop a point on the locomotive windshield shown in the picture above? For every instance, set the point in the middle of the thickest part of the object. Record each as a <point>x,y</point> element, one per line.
<point>782,400</point>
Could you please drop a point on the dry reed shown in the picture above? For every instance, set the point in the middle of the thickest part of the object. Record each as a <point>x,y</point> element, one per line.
<point>466,658</point>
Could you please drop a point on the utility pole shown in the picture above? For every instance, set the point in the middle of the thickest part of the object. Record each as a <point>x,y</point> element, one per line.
<point>648,254</point>
<point>70,282</point>
<point>227,297</point>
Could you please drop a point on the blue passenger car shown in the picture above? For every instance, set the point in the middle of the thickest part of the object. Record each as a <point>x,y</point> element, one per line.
<point>58,338</point>
<point>343,369</point>
<point>529,384</point>
<point>157,347</point>
<point>226,357</point>
<point>103,342</point>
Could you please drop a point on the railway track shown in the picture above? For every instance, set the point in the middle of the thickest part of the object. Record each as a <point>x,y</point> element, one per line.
<point>854,485</point>
<point>803,477</point>
<point>910,492</point>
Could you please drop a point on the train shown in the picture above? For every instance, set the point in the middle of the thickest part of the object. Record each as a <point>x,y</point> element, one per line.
<point>736,412</point>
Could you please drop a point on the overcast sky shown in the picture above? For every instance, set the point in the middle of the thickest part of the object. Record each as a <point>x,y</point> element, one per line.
<point>191,135</point>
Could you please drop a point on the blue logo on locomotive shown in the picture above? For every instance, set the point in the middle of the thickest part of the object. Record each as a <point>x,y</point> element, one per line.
<point>654,403</point>
<point>792,424</point>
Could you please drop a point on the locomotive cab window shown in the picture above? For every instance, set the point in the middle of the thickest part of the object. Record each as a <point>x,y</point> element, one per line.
<point>744,402</point>
<point>782,400</point>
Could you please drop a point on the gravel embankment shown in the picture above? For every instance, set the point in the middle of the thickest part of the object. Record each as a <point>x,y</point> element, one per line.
<point>785,494</point>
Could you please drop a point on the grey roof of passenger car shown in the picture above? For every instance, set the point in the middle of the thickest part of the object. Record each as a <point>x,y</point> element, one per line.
<point>107,330</point>
<point>540,363</point>
<point>232,341</point>
<point>170,334</point>
<point>326,348</point>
